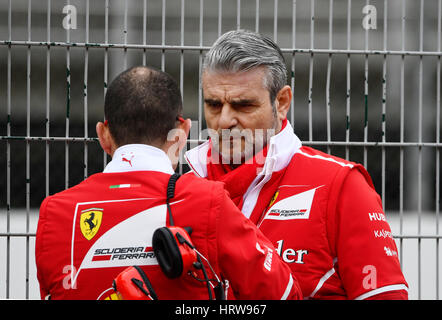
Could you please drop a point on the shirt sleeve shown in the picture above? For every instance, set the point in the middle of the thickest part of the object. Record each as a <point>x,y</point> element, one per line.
<point>367,255</point>
<point>248,259</point>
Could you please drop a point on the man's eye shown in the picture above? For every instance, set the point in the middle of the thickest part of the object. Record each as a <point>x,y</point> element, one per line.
<point>214,104</point>
<point>243,106</point>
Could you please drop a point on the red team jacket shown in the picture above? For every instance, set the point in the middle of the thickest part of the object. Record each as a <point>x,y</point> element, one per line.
<point>321,213</point>
<point>89,233</point>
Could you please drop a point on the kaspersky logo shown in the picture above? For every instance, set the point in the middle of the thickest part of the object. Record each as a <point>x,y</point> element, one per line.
<point>90,222</point>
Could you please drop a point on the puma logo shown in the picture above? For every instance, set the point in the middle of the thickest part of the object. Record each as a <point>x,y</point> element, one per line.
<point>125,159</point>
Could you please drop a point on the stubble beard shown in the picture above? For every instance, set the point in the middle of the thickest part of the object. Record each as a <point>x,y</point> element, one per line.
<point>239,146</point>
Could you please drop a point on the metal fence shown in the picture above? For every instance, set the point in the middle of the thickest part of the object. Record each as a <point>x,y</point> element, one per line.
<point>365,76</point>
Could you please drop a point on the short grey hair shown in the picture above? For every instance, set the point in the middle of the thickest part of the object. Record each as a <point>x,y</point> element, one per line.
<point>243,50</point>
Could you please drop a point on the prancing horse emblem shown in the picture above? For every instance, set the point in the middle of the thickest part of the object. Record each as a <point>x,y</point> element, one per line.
<point>90,222</point>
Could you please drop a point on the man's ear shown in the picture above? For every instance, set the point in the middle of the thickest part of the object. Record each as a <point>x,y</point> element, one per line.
<point>176,141</point>
<point>105,138</point>
<point>185,126</point>
<point>283,101</point>
<point>178,136</point>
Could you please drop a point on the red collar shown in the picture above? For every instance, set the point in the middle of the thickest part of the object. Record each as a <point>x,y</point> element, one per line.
<point>237,180</point>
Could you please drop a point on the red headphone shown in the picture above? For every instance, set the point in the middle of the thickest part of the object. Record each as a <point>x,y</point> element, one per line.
<point>172,245</point>
<point>174,250</point>
<point>133,284</point>
<point>175,254</point>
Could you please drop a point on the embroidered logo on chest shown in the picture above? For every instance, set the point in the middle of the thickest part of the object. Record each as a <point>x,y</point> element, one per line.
<point>297,206</point>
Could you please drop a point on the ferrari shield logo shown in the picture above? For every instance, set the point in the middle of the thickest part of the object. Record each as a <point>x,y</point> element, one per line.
<point>90,221</point>
<point>272,201</point>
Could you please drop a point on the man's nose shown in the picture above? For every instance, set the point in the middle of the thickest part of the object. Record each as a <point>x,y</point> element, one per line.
<point>228,118</point>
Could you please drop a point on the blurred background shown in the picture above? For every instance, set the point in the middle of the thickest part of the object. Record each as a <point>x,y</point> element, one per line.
<point>365,76</point>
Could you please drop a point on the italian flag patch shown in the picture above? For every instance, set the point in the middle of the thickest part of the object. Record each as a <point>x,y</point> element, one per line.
<point>127,185</point>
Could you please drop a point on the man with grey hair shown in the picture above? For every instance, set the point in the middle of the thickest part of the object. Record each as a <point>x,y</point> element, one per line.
<point>89,234</point>
<point>321,212</point>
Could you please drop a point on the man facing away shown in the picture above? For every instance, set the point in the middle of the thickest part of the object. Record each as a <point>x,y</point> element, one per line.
<point>90,233</point>
<point>321,212</point>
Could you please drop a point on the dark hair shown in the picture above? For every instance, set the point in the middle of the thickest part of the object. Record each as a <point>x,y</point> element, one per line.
<point>141,106</point>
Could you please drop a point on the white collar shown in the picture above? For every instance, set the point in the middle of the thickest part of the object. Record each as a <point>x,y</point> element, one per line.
<point>139,157</point>
<point>282,147</point>
<point>196,158</point>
